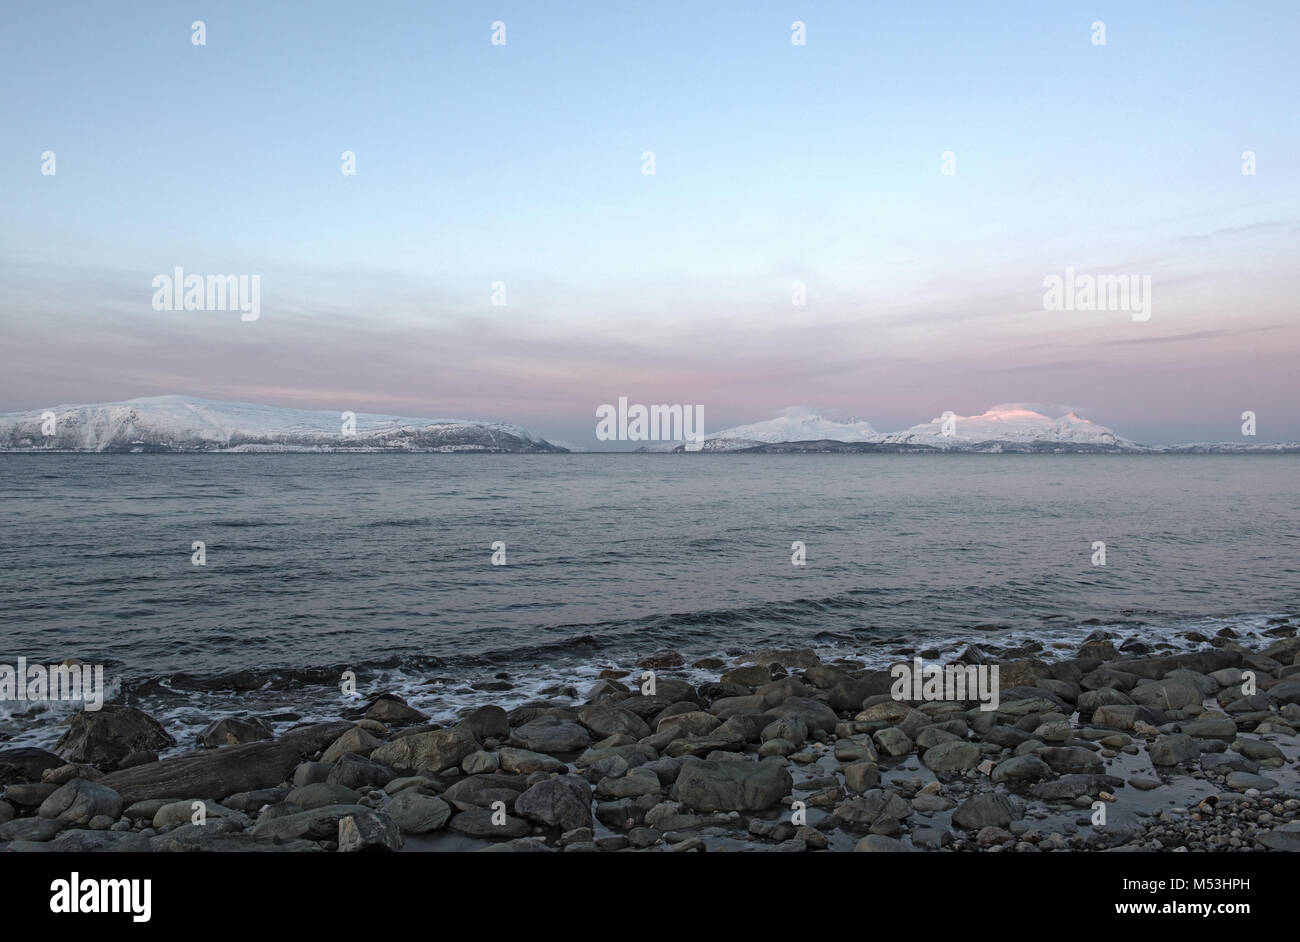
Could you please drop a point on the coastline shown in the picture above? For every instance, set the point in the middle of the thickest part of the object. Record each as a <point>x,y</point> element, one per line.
<point>1170,747</point>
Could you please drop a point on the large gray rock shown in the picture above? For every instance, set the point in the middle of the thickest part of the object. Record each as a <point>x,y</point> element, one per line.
<point>817,716</point>
<point>321,795</point>
<point>1210,727</point>
<point>1240,781</point>
<point>789,727</point>
<point>1202,662</point>
<point>607,719</point>
<point>320,824</point>
<point>874,806</point>
<point>487,722</point>
<point>75,803</point>
<point>1288,691</point>
<point>215,837</point>
<point>952,756</point>
<point>393,711</point>
<point>235,730</point>
<point>480,791</point>
<point>1124,716</point>
<point>30,829</point>
<point>1064,759</point>
<point>415,813</point>
<point>1166,695</point>
<point>105,737</point>
<point>523,762</point>
<point>99,842</point>
<point>427,752</point>
<point>985,809</point>
<point>562,801</point>
<point>368,831</point>
<point>552,735</point>
<point>1173,749</point>
<point>732,786</point>
<point>1026,768</point>
<point>479,823</point>
<point>26,764</point>
<point>357,772</point>
<point>356,740</point>
<point>182,812</point>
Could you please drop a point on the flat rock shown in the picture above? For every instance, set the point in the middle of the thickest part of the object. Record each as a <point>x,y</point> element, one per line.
<point>551,735</point>
<point>415,813</point>
<point>478,823</point>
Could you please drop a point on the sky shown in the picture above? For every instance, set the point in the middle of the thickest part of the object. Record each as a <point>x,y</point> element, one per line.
<point>775,164</point>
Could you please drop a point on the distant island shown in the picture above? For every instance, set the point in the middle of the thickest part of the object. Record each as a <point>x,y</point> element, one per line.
<point>169,424</point>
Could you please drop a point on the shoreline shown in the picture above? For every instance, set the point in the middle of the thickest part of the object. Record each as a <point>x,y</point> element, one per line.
<point>781,752</point>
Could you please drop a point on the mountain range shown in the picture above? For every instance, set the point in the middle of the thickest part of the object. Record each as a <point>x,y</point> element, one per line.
<point>1010,427</point>
<point>188,424</point>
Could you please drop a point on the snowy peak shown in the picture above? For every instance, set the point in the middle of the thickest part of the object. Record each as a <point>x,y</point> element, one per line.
<point>1008,426</point>
<point>1010,422</point>
<point>184,423</point>
<point>797,424</point>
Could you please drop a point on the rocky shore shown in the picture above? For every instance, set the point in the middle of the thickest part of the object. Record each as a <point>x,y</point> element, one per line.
<point>1110,747</point>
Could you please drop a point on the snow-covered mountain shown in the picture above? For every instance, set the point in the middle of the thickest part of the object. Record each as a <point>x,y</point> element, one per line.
<point>794,424</point>
<point>183,423</point>
<point>1010,427</point>
<point>1009,423</point>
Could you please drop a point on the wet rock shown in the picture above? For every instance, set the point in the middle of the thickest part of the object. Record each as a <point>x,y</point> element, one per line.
<point>952,757</point>
<point>26,764</point>
<point>732,786</point>
<point>562,801</point>
<point>551,735</point>
<point>359,773</point>
<point>605,719</point>
<point>1173,749</point>
<point>414,813</point>
<point>393,711</point>
<point>1026,768</point>
<point>479,823</point>
<point>427,752</point>
<point>322,795</point>
<point>76,803</point>
<point>234,730</point>
<point>984,810</point>
<point>356,740</point>
<point>368,832</point>
<point>104,737</point>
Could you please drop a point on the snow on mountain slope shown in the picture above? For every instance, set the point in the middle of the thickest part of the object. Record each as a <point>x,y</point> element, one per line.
<point>1009,423</point>
<point>184,423</point>
<point>797,424</point>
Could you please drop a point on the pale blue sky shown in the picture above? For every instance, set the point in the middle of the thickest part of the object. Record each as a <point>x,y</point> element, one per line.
<point>478,163</point>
